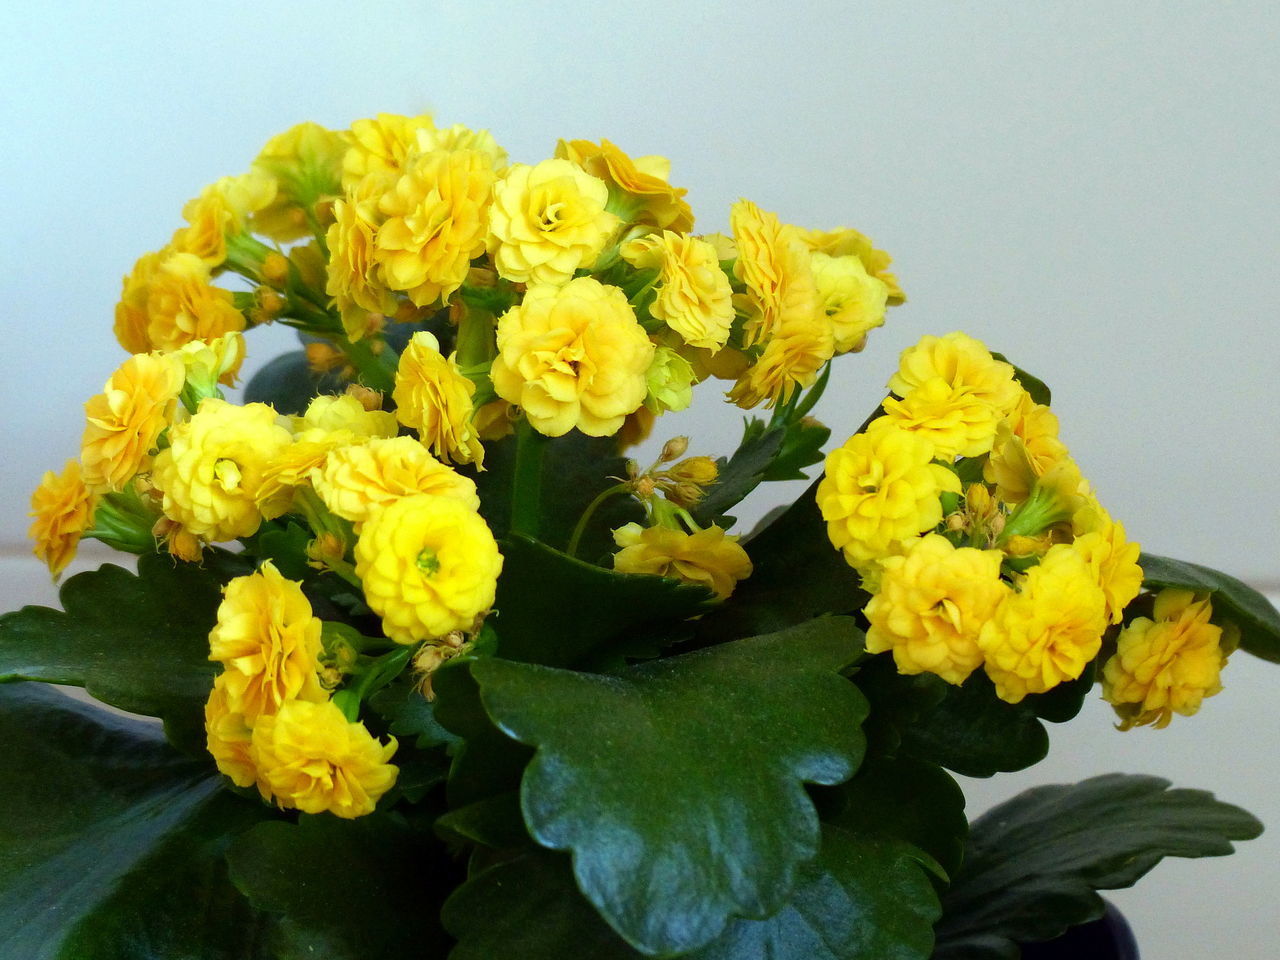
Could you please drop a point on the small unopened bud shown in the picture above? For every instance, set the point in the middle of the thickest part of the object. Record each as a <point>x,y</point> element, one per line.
<point>957,522</point>
<point>673,449</point>
<point>275,268</point>
<point>326,549</point>
<point>323,357</point>
<point>698,470</point>
<point>644,487</point>
<point>369,398</point>
<point>633,470</point>
<point>430,658</point>
<point>1018,546</point>
<point>270,303</point>
<point>684,494</point>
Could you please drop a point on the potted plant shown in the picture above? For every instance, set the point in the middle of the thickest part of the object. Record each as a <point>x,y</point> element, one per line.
<point>441,671</point>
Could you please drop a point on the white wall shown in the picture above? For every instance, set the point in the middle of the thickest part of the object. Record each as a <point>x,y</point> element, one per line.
<point>1090,187</point>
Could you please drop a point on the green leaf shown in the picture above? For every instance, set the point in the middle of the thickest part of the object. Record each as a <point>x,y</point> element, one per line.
<point>863,896</point>
<point>364,889</point>
<point>285,545</point>
<point>1038,389</point>
<point>797,576</point>
<point>1034,862</point>
<point>908,800</point>
<point>495,821</point>
<point>409,714</point>
<point>575,468</point>
<point>976,734</point>
<point>528,908</point>
<point>1258,620</point>
<point>741,473</point>
<point>111,841</point>
<point>556,610</point>
<point>801,447</point>
<point>140,643</point>
<point>860,897</point>
<point>670,838</point>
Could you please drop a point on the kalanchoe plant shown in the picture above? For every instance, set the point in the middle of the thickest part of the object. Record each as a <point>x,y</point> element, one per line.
<point>443,673</point>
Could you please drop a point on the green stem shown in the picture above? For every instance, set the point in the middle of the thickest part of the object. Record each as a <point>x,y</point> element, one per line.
<point>526,487</point>
<point>580,528</point>
<point>377,370</point>
<point>378,674</point>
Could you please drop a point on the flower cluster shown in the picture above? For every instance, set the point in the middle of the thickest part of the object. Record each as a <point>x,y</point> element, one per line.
<point>449,298</point>
<point>983,546</point>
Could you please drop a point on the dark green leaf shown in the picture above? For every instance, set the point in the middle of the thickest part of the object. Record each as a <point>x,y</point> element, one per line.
<point>495,821</point>
<point>486,762</point>
<point>111,842</point>
<point>1064,701</point>
<point>1034,862</point>
<point>801,447</point>
<point>864,896</point>
<point>285,545</point>
<point>1258,620</point>
<point>909,800</point>
<point>976,734</point>
<point>366,889</point>
<point>798,575</point>
<point>897,701</point>
<point>529,909</point>
<point>140,643</point>
<point>670,838</point>
<point>1038,389</point>
<point>556,610</point>
<point>741,473</point>
<point>288,384</point>
<point>575,468</point>
<point>409,714</point>
<point>861,897</point>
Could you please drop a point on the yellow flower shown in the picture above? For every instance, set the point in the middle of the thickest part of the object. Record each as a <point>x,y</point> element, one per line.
<point>572,356</point>
<point>215,463</point>
<point>306,164</point>
<point>493,420</point>
<point>435,223</point>
<point>931,605</point>
<point>354,278</point>
<point>309,757</point>
<point>843,242</point>
<point>1114,563</point>
<point>268,642</point>
<point>63,509</point>
<point>959,422</point>
<point>1048,631</point>
<point>692,296</point>
<point>211,362</point>
<point>881,488</point>
<point>228,736</point>
<point>124,422</point>
<point>775,268</point>
<point>459,137</point>
<point>1167,665</point>
<point>963,363</point>
<point>708,558</point>
<point>222,209</point>
<point>131,319</point>
<point>669,381</point>
<point>790,361</point>
<point>1026,446</point>
<point>640,188</point>
<point>547,221</point>
<point>358,479</point>
<point>432,396</point>
<point>429,566</point>
<point>381,145</point>
<point>183,306</point>
<point>852,298</point>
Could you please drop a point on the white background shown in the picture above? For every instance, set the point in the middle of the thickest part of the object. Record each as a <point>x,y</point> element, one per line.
<point>1089,187</point>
